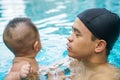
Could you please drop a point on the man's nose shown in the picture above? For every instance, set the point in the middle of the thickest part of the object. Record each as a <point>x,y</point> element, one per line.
<point>70,38</point>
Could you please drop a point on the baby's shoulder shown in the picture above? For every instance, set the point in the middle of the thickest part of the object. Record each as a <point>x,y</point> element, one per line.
<point>17,64</point>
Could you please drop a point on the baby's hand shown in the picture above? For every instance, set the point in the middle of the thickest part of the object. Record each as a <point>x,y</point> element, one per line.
<point>25,70</point>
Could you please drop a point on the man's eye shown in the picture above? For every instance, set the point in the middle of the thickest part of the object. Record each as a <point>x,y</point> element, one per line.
<point>77,35</point>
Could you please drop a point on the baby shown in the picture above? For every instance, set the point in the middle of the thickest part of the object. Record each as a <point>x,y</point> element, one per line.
<point>22,38</point>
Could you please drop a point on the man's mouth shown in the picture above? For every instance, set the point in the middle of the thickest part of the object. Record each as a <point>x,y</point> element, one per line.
<point>68,47</point>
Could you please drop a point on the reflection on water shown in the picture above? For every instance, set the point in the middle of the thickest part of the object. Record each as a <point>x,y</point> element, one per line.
<point>56,69</point>
<point>9,10</point>
<point>54,19</point>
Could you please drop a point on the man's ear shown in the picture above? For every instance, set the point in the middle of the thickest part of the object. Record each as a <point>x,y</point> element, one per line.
<point>100,45</point>
<point>36,46</point>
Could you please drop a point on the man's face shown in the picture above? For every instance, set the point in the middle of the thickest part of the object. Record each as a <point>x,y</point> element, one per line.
<point>79,43</point>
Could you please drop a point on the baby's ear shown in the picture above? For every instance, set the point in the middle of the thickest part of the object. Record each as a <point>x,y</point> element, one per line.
<point>100,45</point>
<point>36,46</point>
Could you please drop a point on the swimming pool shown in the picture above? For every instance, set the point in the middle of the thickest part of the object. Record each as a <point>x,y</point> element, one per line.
<point>53,19</point>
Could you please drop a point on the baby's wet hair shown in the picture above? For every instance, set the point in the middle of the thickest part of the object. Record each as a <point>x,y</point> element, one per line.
<point>19,34</point>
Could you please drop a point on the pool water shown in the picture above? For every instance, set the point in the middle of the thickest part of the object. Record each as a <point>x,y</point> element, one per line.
<point>54,19</point>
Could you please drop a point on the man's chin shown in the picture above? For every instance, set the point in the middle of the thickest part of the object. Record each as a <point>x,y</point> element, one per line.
<point>70,54</point>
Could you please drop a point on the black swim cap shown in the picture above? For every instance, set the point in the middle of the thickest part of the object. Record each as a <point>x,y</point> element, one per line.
<point>102,23</point>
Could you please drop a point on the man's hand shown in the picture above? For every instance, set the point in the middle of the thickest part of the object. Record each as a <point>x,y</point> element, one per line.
<point>25,70</point>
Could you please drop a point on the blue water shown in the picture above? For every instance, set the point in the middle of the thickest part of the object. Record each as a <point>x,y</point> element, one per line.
<point>54,19</point>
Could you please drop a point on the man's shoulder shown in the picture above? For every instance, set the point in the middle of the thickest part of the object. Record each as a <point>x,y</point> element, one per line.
<point>108,72</point>
<point>113,68</point>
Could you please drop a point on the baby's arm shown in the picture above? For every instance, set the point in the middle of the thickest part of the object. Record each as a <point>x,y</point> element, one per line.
<point>12,76</point>
<point>19,75</point>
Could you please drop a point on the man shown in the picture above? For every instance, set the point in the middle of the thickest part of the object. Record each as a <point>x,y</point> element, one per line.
<point>93,35</point>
